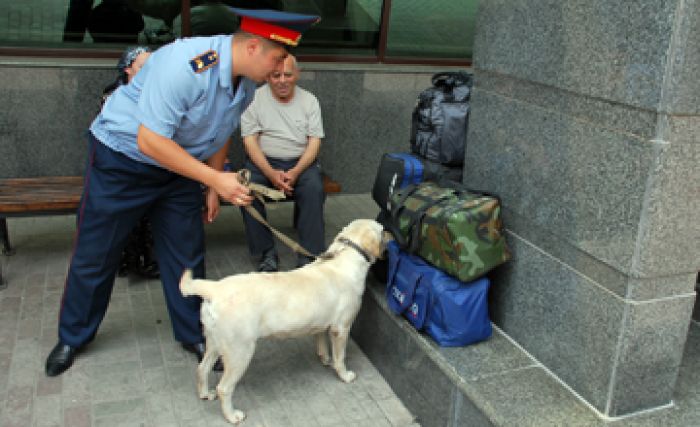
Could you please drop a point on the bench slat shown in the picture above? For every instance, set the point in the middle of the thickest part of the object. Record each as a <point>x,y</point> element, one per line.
<point>40,194</point>
<point>49,194</point>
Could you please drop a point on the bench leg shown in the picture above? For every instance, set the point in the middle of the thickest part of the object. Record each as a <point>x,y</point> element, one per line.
<point>6,249</point>
<point>3,285</point>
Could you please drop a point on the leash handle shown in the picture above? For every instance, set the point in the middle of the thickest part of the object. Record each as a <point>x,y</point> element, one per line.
<point>244,179</point>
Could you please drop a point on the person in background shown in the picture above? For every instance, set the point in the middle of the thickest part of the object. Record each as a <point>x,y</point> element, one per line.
<point>77,20</point>
<point>282,130</point>
<point>129,64</point>
<point>114,21</point>
<point>138,256</point>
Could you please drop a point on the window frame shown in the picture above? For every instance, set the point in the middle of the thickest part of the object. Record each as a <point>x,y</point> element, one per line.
<point>380,58</point>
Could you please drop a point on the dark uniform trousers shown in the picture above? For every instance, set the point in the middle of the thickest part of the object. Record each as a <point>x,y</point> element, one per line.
<point>118,192</point>
<point>309,198</point>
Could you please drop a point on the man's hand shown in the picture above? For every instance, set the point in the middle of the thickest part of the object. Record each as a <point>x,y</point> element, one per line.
<point>279,180</point>
<point>228,186</point>
<point>213,206</point>
<point>290,177</point>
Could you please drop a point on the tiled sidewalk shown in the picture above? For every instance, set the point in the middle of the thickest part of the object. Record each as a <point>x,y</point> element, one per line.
<point>135,374</point>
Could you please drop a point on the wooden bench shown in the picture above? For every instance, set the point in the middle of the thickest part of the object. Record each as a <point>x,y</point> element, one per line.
<point>23,197</point>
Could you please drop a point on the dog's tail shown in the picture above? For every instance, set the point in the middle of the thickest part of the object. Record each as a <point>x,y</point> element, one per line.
<point>190,286</point>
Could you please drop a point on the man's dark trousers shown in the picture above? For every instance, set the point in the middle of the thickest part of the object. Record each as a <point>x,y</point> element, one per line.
<point>309,198</point>
<point>118,192</point>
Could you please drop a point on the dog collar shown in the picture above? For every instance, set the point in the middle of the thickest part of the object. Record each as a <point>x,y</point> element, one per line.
<point>348,242</point>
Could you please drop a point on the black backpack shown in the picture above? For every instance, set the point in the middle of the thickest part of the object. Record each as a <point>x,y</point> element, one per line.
<point>440,119</point>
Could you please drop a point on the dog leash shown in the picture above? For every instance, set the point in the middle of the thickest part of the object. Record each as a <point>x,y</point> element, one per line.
<point>258,192</point>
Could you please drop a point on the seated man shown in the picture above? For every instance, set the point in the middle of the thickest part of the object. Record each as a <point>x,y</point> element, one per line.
<point>282,131</point>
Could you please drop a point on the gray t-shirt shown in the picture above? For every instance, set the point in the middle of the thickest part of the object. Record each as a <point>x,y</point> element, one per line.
<point>284,128</point>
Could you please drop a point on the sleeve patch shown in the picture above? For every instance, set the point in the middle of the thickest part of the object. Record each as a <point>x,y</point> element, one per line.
<point>204,61</point>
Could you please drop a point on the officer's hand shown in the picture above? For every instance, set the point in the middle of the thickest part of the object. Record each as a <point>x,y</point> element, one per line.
<point>229,188</point>
<point>213,206</point>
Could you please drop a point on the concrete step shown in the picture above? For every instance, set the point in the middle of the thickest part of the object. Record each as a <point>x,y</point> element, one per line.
<point>494,382</point>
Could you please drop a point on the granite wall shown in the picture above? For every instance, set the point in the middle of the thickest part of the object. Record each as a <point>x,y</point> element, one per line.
<point>47,108</point>
<point>586,121</point>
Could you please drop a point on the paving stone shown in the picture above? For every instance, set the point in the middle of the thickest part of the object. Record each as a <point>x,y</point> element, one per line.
<point>135,374</point>
<point>47,386</point>
<point>47,411</point>
<point>77,416</point>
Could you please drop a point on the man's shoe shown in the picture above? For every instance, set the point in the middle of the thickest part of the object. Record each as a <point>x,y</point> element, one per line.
<point>198,350</point>
<point>60,359</point>
<point>269,263</point>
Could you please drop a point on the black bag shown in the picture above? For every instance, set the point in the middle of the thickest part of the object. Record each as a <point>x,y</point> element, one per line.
<point>397,170</point>
<point>440,119</point>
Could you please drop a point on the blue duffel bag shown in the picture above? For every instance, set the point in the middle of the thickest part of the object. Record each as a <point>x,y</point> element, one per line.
<point>452,312</point>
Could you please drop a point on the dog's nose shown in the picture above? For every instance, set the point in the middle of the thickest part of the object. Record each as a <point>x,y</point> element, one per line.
<point>387,237</point>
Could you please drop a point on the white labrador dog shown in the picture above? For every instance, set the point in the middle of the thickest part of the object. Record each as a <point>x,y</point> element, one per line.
<point>321,298</point>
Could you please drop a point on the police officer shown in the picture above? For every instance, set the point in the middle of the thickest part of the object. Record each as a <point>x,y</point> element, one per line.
<point>155,140</point>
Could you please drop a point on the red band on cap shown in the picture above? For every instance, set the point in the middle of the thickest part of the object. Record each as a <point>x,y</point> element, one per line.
<point>270,31</point>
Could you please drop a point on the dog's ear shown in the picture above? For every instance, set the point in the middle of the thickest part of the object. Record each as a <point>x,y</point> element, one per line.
<point>373,243</point>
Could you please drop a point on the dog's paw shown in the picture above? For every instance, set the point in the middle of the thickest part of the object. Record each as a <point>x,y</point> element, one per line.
<point>208,395</point>
<point>347,376</point>
<point>235,417</point>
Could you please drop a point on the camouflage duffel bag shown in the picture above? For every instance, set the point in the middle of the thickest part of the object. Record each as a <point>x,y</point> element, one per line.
<point>454,229</point>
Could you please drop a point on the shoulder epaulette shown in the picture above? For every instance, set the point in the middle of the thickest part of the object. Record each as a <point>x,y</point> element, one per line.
<point>204,61</point>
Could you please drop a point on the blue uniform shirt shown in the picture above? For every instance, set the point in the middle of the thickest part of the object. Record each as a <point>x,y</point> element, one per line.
<point>184,93</point>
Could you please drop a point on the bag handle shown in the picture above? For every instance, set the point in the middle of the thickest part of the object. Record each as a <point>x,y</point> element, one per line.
<point>403,296</point>
<point>418,314</point>
<point>449,79</point>
<point>416,225</point>
<point>393,223</point>
<point>410,243</point>
<point>460,188</point>
<point>393,268</point>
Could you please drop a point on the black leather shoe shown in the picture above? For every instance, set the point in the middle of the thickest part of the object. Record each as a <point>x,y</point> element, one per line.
<point>269,263</point>
<point>60,359</point>
<point>198,350</point>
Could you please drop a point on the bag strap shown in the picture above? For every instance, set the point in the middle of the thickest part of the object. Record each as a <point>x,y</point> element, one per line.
<point>416,225</point>
<point>420,314</point>
<point>450,79</point>
<point>461,189</point>
<point>408,292</point>
<point>396,209</point>
<point>393,266</point>
<point>412,242</point>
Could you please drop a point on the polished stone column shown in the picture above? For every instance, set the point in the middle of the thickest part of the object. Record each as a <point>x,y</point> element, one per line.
<point>586,121</point>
